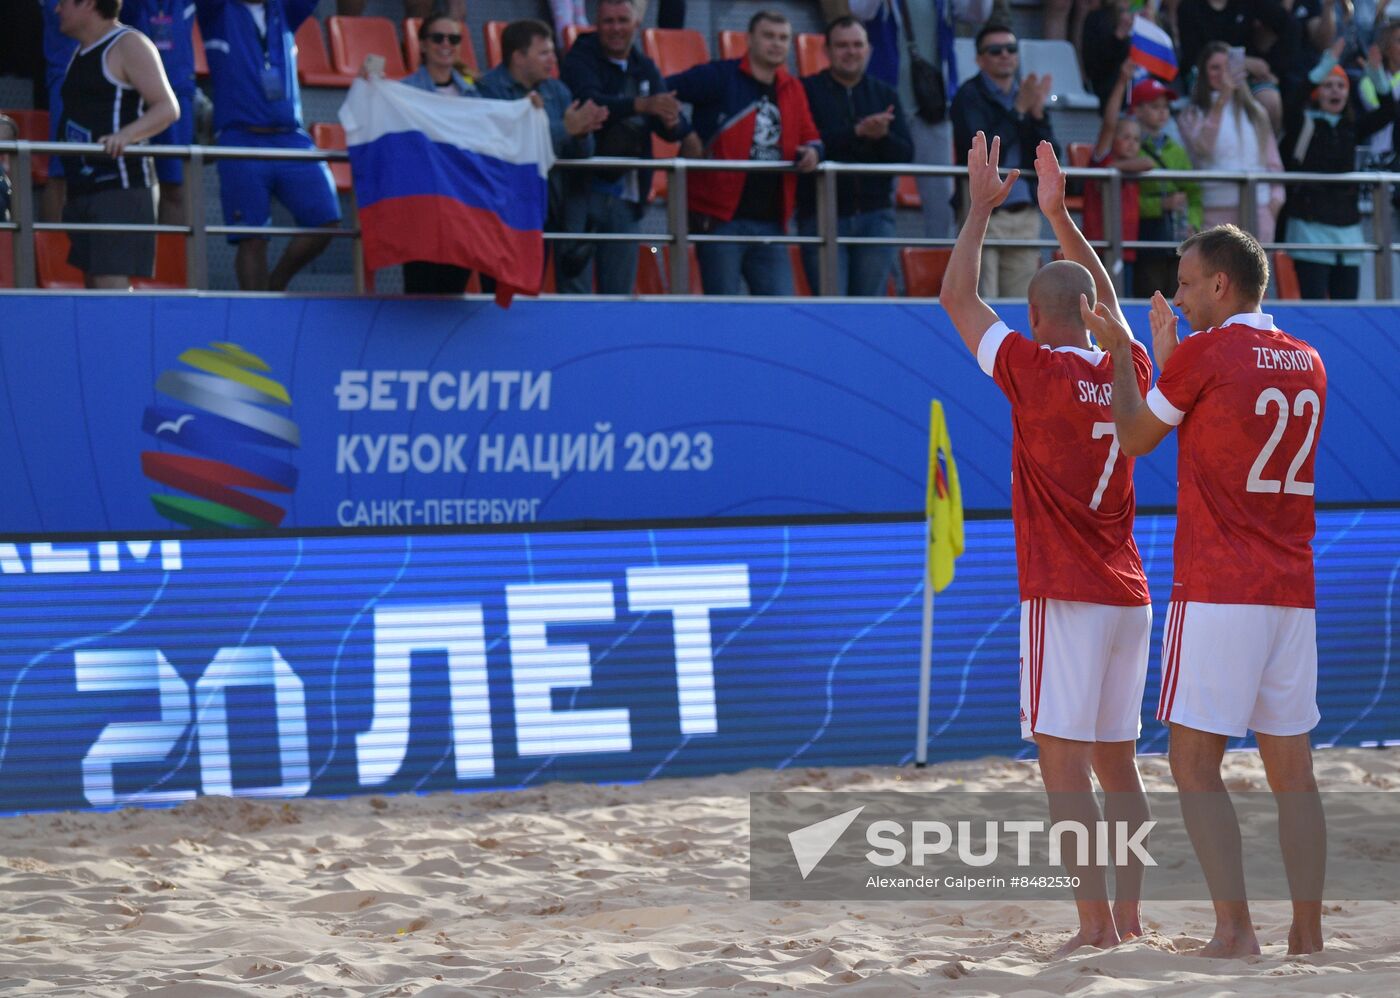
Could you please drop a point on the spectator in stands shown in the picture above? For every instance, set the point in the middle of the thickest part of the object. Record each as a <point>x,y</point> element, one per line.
<point>1237,23</point>
<point>1119,145</point>
<point>608,69</point>
<point>1382,143</point>
<point>1322,136</point>
<point>749,108</point>
<point>439,35</point>
<point>9,132</point>
<point>1320,24</point>
<point>1064,20</point>
<point>257,102</point>
<point>169,26</point>
<point>567,13</point>
<point>527,67</point>
<point>115,94</point>
<point>58,52</point>
<point>860,121</point>
<point>995,103</point>
<point>931,25</point>
<point>1225,128</point>
<point>1108,32</point>
<point>1368,17</point>
<point>1168,210</point>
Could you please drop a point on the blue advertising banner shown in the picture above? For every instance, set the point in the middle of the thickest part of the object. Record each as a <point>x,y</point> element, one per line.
<point>148,672</point>
<point>130,414</point>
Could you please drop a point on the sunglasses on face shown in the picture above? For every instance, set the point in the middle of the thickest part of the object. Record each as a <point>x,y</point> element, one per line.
<point>438,38</point>
<point>1011,48</point>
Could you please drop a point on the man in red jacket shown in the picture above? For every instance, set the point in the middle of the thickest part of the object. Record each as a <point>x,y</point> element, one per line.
<point>749,108</point>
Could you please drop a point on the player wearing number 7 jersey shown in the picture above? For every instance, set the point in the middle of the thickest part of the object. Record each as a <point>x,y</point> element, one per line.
<point>1086,616</point>
<point>1240,648</point>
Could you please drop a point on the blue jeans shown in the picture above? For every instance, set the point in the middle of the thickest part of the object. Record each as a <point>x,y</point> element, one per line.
<point>766,269</point>
<point>860,270</point>
<point>616,262</point>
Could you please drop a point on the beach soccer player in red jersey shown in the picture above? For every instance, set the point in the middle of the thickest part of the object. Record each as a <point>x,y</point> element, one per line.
<point>1086,616</point>
<point>1239,652</point>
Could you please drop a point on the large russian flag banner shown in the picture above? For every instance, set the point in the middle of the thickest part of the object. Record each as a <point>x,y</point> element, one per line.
<point>449,179</point>
<point>1152,49</point>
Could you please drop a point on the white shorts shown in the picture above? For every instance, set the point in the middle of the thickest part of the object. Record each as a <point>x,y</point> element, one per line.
<point>1083,669</point>
<point>1231,668</point>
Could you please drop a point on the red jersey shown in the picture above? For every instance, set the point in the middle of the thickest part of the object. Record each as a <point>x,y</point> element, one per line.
<point>1249,400</point>
<point>1071,487</point>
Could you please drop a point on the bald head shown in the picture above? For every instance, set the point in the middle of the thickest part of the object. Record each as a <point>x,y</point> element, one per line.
<point>1054,300</point>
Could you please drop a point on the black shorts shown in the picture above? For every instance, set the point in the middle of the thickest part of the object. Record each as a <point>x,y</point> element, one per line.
<point>102,254</point>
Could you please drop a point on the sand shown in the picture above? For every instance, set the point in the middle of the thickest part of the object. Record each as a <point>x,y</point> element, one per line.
<point>575,890</point>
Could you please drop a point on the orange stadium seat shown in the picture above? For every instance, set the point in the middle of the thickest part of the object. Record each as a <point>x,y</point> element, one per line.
<point>1286,276</point>
<point>7,259</point>
<point>313,61</point>
<point>733,44</point>
<point>1080,153</point>
<point>923,268</point>
<point>353,38</point>
<point>51,262</point>
<point>799,275</point>
<point>34,127</point>
<point>331,135</point>
<point>572,31</point>
<point>412,48</point>
<point>491,32</point>
<point>661,149</point>
<point>201,61</point>
<point>650,279</point>
<point>811,54</point>
<point>170,264</point>
<point>906,192</point>
<point>674,50</point>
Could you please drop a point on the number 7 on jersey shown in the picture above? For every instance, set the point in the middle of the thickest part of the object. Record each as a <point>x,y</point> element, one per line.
<point>1102,430</point>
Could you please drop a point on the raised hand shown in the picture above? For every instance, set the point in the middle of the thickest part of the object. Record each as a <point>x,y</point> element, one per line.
<point>1108,332</point>
<point>986,189</point>
<point>582,118</point>
<point>1025,97</point>
<point>875,126</point>
<point>1162,320</point>
<point>1051,178</point>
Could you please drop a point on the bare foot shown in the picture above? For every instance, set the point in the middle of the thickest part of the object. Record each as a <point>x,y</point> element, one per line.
<point>1304,939</point>
<point>1226,947</point>
<point>1100,939</point>
<point>1128,919</point>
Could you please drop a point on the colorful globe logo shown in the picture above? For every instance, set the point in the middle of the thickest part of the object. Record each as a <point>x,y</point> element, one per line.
<point>223,414</point>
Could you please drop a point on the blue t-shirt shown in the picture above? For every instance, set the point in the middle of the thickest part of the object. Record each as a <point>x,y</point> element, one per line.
<point>254,70</point>
<point>169,24</point>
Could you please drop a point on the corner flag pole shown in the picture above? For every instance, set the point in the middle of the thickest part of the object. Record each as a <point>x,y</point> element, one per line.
<point>925,655</point>
<point>943,543</point>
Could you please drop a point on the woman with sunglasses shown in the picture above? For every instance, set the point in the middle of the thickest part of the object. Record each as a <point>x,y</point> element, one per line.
<point>439,37</point>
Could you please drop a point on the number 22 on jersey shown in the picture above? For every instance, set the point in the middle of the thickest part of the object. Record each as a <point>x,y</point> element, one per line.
<point>1306,401</point>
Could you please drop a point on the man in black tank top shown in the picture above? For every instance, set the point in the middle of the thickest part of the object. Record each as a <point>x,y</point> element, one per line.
<point>115,93</point>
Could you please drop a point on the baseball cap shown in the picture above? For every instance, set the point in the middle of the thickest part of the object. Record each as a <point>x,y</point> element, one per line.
<point>1149,90</point>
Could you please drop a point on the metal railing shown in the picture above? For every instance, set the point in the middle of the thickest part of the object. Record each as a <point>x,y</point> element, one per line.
<point>678,235</point>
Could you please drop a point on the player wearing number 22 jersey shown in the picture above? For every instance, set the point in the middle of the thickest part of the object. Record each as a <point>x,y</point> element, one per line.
<point>1083,652</point>
<point>1240,647</point>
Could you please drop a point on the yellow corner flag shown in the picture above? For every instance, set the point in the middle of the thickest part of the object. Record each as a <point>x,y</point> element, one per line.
<point>944,503</point>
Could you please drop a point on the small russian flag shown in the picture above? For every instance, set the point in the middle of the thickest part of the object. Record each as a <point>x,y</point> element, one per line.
<point>1152,49</point>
